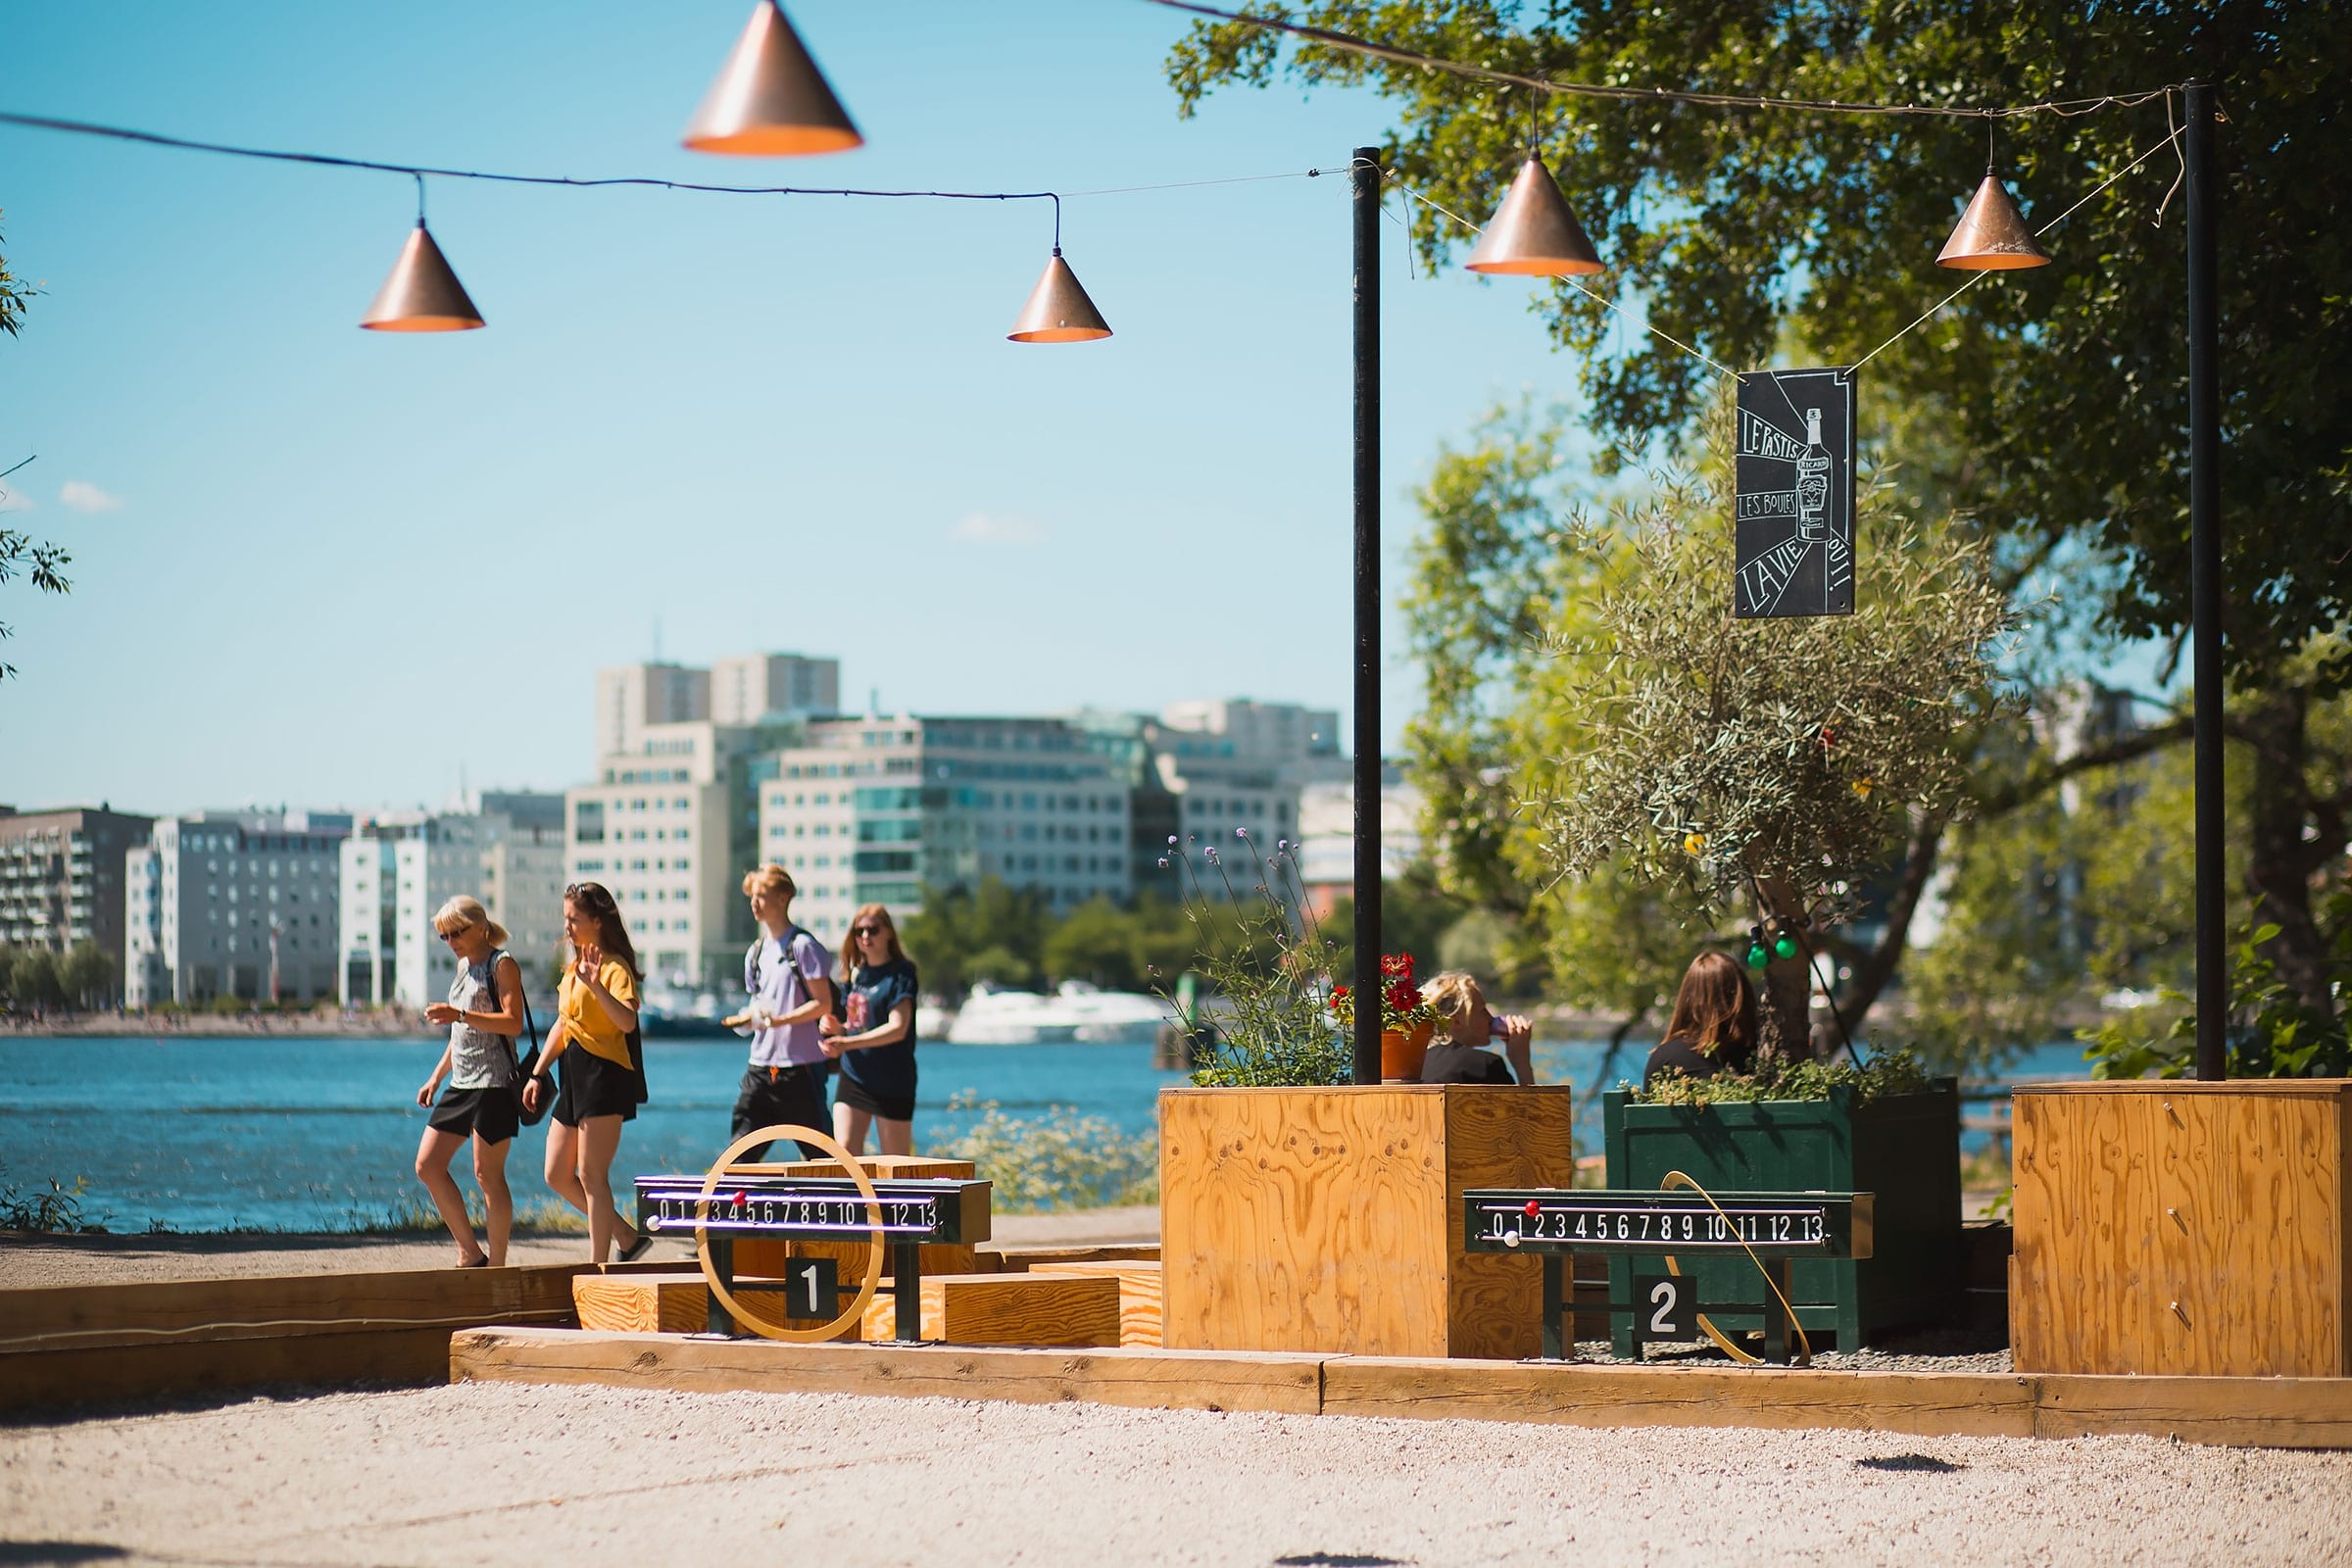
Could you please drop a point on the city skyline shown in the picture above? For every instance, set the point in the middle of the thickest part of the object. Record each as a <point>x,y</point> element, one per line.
<point>316,564</point>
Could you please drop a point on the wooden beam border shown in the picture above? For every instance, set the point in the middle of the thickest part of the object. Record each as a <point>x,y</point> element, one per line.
<point>2265,1412</point>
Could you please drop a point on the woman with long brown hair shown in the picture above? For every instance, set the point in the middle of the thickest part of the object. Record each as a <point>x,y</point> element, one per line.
<point>873,1039</point>
<point>1713,1029</point>
<point>601,1082</point>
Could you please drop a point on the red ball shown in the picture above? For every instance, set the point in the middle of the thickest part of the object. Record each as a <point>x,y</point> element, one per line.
<point>742,1198</point>
<point>1534,1208</point>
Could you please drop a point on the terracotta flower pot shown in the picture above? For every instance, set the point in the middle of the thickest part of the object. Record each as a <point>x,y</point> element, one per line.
<point>1401,1051</point>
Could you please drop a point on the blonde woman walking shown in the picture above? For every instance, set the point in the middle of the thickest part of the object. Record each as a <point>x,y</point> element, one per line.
<point>484,1015</point>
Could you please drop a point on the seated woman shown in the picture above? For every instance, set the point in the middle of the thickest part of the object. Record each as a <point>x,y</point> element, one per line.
<point>1464,1026</point>
<point>1713,1029</point>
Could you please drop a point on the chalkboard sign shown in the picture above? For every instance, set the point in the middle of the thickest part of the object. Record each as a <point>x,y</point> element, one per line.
<point>1793,479</point>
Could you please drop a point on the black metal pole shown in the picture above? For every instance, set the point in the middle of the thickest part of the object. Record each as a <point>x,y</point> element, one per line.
<point>1364,176</point>
<point>2205,582</point>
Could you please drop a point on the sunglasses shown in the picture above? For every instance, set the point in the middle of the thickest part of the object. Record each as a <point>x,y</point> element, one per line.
<point>591,894</point>
<point>868,930</point>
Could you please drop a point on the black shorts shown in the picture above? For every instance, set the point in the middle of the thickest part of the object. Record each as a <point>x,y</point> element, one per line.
<point>858,1096</point>
<point>587,1084</point>
<point>490,1114</point>
<point>783,1096</point>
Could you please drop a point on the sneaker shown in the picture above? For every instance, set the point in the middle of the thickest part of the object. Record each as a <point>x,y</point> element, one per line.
<point>637,1248</point>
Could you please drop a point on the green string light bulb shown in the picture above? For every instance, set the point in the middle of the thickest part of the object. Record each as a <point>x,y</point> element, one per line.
<point>1755,955</point>
<point>1783,946</point>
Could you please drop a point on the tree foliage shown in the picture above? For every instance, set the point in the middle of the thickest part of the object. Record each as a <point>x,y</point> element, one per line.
<point>1732,225</point>
<point>20,554</point>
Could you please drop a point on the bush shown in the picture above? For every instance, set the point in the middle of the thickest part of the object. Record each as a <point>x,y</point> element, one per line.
<point>57,1211</point>
<point>1058,1160</point>
<point>1889,1072</point>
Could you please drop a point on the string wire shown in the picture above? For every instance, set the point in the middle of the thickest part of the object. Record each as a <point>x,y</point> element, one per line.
<point>421,171</point>
<point>1349,43</point>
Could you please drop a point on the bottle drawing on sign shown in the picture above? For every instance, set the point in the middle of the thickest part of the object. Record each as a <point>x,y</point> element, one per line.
<point>1813,482</point>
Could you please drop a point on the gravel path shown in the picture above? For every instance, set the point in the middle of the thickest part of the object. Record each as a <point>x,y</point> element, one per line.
<point>497,1473</point>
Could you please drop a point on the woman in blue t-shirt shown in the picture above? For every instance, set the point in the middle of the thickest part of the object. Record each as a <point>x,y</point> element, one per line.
<point>873,1038</point>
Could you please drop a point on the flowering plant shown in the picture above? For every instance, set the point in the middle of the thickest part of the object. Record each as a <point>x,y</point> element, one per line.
<point>1267,962</point>
<point>1402,1004</point>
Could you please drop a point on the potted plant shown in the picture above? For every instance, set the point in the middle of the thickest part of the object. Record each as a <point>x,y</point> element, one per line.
<point>1886,1128</point>
<point>1301,1212</point>
<point>1406,1018</point>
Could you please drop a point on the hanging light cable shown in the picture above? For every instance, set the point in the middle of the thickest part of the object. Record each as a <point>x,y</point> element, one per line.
<point>422,293</point>
<point>1533,233</point>
<point>769,99</point>
<point>1991,235</point>
<point>1058,309</point>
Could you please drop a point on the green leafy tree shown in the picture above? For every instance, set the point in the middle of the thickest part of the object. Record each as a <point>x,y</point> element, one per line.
<point>2062,390</point>
<point>1763,767</point>
<point>88,975</point>
<point>20,554</point>
<point>32,979</point>
<point>961,934</point>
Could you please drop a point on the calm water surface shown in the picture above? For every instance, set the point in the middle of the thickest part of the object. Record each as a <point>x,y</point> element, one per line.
<point>289,1134</point>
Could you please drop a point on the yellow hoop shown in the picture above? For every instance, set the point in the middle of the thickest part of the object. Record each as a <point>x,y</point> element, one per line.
<point>873,1215</point>
<point>1804,1345</point>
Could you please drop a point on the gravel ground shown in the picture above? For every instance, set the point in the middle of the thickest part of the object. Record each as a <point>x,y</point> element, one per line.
<point>497,1473</point>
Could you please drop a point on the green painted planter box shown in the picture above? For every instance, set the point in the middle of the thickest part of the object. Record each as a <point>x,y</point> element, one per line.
<point>1905,1148</point>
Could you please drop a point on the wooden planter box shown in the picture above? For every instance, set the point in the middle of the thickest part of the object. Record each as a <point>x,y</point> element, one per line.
<point>1905,1148</point>
<point>2184,1227</point>
<point>1330,1220</point>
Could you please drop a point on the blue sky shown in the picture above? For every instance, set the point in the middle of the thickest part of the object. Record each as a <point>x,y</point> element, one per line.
<point>328,567</point>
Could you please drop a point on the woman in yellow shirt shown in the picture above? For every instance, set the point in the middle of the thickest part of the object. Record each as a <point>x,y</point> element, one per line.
<point>599,1086</point>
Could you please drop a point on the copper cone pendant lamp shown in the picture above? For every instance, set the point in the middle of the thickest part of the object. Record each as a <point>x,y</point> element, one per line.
<point>1533,233</point>
<point>770,101</point>
<point>422,294</point>
<point>1992,237</point>
<point>1058,310</point>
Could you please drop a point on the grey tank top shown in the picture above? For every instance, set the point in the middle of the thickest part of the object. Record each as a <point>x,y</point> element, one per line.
<point>478,1060</point>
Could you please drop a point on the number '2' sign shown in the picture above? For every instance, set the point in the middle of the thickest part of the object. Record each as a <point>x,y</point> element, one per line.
<point>1667,1308</point>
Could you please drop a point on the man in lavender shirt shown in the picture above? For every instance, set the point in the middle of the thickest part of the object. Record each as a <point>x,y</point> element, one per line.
<point>788,973</point>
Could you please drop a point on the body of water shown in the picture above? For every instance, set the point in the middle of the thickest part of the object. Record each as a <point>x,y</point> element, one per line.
<point>294,1134</point>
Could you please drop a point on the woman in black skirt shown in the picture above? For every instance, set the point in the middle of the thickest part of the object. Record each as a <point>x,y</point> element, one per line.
<point>601,1083</point>
<point>484,1015</point>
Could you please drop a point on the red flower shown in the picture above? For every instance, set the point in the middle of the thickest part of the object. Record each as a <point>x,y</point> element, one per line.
<point>1396,963</point>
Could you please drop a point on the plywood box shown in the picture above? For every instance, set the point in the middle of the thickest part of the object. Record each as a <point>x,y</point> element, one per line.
<point>2184,1227</point>
<point>669,1303</point>
<point>1331,1219</point>
<point>1009,1310</point>
<point>1140,1286</point>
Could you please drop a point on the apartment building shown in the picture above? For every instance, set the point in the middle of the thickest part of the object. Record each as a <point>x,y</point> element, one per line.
<point>235,903</point>
<point>61,877</point>
<point>669,827</point>
<point>878,808</point>
<point>738,690</point>
<point>749,688</point>
<point>398,869</point>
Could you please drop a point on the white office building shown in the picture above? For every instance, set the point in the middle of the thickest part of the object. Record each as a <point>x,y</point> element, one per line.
<point>399,867</point>
<point>669,827</point>
<point>876,810</point>
<point>751,688</point>
<point>238,903</point>
<point>742,689</point>
<point>632,696</point>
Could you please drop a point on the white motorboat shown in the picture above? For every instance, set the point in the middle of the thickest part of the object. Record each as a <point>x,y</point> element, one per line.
<point>993,1015</point>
